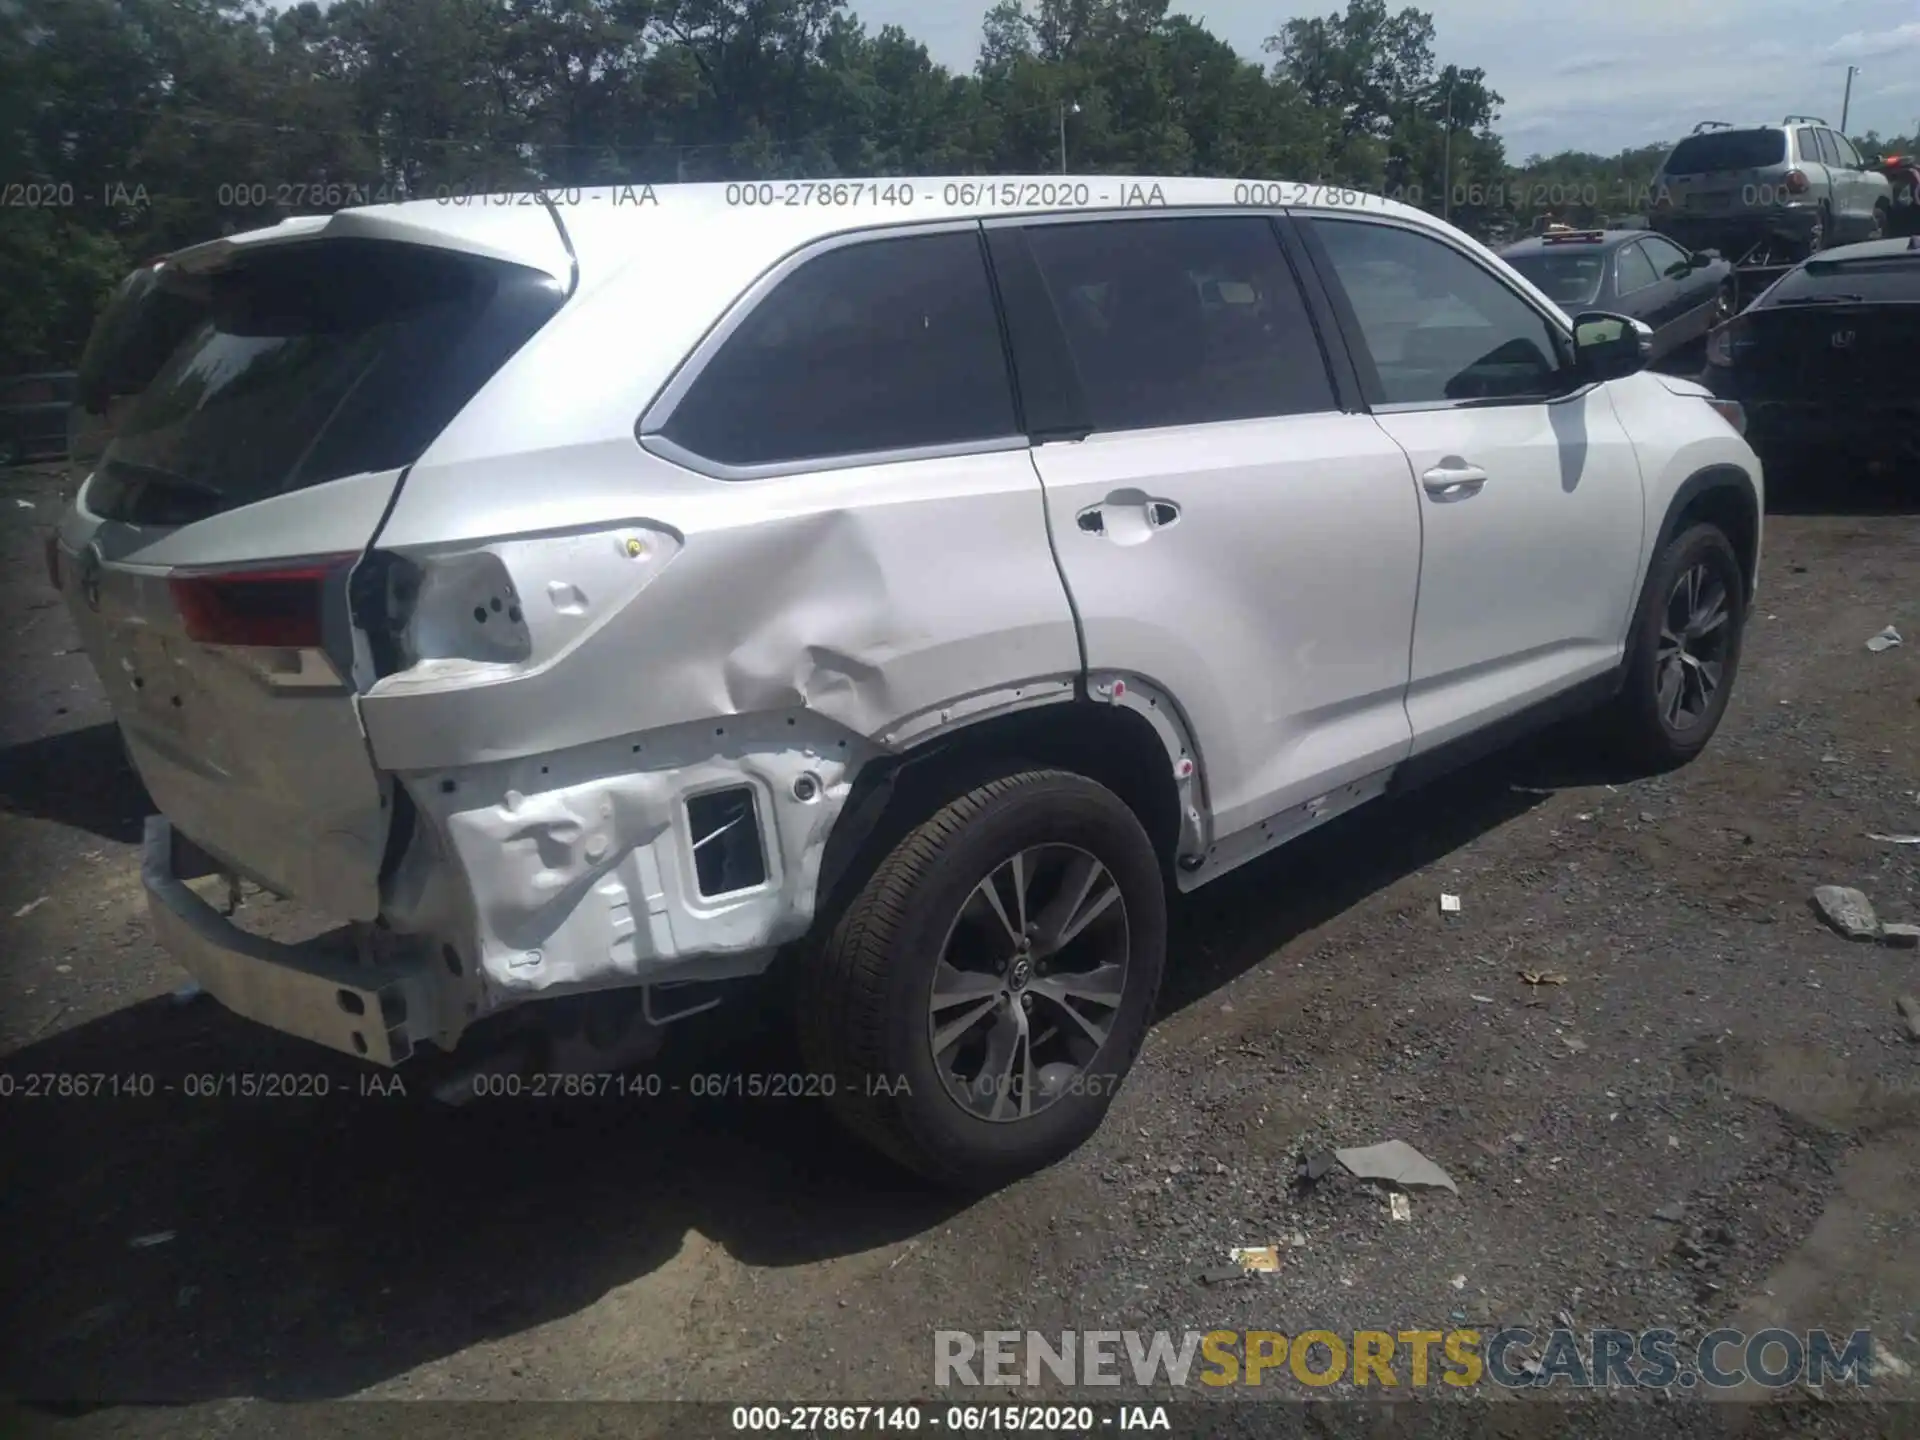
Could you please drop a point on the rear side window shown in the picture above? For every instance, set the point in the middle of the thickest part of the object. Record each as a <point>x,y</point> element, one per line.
<point>1636,270</point>
<point>1727,150</point>
<point>1565,277</point>
<point>1181,322</point>
<point>884,345</point>
<point>1436,326</point>
<point>1806,146</point>
<point>1829,152</point>
<point>1843,149</point>
<point>311,363</point>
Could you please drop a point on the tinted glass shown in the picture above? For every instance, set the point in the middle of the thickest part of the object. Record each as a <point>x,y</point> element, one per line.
<point>1727,150</point>
<point>1669,259</point>
<point>1805,146</point>
<point>886,345</point>
<point>1636,271</point>
<point>1436,325</point>
<point>1843,148</point>
<point>1829,152</point>
<point>1182,322</point>
<point>312,363</point>
<point>1567,277</point>
<point>1891,278</point>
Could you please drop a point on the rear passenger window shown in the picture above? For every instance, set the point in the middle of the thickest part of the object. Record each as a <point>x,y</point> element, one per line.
<point>1181,322</point>
<point>1829,152</point>
<point>1436,326</point>
<point>883,345</point>
<point>1636,271</point>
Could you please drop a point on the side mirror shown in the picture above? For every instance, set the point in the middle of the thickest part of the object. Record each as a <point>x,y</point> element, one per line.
<point>1606,347</point>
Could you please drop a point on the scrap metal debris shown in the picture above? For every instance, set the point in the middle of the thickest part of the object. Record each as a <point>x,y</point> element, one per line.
<point>30,907</point>
<point>147,1242</point>
<point>1396,1163</point>
<point>1256,1259</point>
<point>1449,904</point>
<point>1848,911</point>
<point>1399,1206</point>
<point>1896,839</point>
<point>1900,937</point>
<point>1543,977</point>
<point>1885,640</point>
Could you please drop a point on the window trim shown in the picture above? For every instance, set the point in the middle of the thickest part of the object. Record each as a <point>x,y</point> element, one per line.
<point>654,420</point>
<point>1354,338</point>
<point>1341,368</point>
<point>1648,241</point>
<point>1658,275</point>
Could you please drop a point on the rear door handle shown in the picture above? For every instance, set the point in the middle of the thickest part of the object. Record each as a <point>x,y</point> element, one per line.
<point>1454,482</point>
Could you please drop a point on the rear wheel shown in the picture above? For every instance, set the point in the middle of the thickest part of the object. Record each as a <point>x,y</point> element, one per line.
<point>982,997</point>
<point>1684,651</point>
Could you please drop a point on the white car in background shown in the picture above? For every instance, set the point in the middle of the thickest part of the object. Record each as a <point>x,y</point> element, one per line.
<point>588,603</point>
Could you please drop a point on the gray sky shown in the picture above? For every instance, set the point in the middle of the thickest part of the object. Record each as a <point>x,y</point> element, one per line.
<point>1596,75</point>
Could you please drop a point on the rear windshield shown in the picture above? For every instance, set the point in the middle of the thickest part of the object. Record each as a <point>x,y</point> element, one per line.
<point>1566,279</point>
<point>1871,280</point>
<point>1727,150</point>
<point>311,363</point>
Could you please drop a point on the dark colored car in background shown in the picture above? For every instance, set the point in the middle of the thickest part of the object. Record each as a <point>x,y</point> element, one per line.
<point>33,416</point>
<point>1679,295</point>
<point>1827,360</point>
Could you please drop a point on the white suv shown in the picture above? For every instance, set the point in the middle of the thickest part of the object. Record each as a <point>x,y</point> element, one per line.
<point>589,599</point>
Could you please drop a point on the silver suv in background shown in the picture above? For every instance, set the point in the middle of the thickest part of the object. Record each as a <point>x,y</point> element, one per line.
<point>591,604</point>
<point>1787,190</point>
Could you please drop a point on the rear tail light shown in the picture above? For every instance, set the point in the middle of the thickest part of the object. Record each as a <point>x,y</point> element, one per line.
<point>281,607</point>
<point>53,561</point>
<point>1797,182</point>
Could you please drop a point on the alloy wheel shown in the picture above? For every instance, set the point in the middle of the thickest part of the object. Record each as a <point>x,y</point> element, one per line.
<point>1691,660</point>
<point>1029,982</point>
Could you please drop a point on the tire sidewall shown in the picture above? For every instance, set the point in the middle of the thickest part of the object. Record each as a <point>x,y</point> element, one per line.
<point>1057,810</point>
<point>1697,544</point>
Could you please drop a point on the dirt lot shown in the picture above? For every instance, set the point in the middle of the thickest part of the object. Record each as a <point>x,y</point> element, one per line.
<point>1714,1045</point>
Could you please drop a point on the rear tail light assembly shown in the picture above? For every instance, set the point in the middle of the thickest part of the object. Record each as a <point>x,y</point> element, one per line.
<point>278,607</point>
<point>1797,182</point>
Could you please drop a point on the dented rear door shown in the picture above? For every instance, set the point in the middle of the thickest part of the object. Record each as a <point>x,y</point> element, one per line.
<point>207,558</point>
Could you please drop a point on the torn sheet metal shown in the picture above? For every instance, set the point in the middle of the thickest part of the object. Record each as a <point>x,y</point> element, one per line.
<point>576,870</point>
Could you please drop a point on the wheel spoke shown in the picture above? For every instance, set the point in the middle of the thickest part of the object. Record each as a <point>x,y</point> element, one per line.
<point>953,986</point>
<point>1085,893</point>
<point>991,892</point>
<point>950,1034</point>
<point>1709,678</point>
<point>1706,624</point>
<point>1672,689</point>
<point>1101,985</point>
<point>1019,863</point>
<point>1005,1041</point>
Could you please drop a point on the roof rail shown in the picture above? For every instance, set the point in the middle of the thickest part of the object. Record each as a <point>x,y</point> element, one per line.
<point>1803,120</point>
<point>1711,125</point>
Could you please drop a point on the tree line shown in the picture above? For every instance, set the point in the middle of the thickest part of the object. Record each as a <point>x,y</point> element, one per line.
<point>131,127</point>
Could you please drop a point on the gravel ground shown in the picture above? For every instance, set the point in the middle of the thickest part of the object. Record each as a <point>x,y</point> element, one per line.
<point>1713,1047</point>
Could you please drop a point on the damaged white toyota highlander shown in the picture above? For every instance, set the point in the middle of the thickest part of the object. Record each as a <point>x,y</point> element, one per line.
<point>591,606</point>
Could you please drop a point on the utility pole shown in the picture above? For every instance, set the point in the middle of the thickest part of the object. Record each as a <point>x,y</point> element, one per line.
<point>1847,101</point>
<point>1446,161</point>
<point>1063,133</point>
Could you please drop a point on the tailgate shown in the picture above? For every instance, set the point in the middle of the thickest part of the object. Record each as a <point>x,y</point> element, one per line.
<point>1834,354</point>
<point>207,560</point>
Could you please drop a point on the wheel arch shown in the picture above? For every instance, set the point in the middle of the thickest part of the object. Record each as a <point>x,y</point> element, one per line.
<point>1118,732</point>
<point>1726,496</point>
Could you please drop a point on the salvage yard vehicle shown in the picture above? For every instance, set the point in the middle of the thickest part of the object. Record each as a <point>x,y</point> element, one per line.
<point>1827,361</point>
<point>1767,194</point>
<point>1679,295</point>
<point>592,604</point>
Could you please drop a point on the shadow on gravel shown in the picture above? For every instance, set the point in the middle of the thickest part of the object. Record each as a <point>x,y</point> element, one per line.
<point>319,1244</point>
<point>80,778</point>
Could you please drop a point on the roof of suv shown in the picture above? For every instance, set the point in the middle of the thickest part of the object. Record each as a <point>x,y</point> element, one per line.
<point>750,224</point>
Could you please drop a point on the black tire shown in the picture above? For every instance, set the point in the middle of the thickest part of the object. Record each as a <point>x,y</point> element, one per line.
<point>1881,215</point>
<point>862,999</point>
<point>1640,729</point>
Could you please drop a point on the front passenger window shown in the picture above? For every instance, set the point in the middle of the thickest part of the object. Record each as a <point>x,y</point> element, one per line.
<point>1437,326</point>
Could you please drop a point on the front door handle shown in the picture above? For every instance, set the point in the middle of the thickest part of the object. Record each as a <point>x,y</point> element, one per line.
<point>1454,480</point>
<point>1127,517</point>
